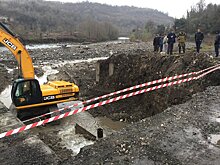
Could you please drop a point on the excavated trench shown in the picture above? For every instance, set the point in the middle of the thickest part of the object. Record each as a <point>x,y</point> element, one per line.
<point>131,64</point>
<point>139,67</point>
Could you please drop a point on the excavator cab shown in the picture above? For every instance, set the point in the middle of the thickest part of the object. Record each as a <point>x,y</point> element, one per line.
<point>26,92</point>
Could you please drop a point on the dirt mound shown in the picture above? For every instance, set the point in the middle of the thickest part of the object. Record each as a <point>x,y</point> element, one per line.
<point>140,67</point>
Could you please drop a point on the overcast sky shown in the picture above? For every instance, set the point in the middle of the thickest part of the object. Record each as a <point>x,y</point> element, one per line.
<point>175,8</point>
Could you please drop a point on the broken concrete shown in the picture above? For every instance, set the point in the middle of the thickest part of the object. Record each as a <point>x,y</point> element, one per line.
<point>22,148</point>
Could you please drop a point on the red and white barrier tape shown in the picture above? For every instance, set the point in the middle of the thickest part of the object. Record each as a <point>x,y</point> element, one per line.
<point>126,90</point>
<point>36,124</point>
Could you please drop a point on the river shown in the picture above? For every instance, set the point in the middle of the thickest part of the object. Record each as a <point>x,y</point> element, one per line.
<point>37,46</point>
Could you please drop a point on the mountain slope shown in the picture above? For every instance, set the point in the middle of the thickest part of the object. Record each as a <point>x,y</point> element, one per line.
<point>38,16</point>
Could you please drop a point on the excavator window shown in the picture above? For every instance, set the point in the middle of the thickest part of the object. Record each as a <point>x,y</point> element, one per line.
<point>26,92</point>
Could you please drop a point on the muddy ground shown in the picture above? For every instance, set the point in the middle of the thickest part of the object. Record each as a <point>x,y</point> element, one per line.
<point>178,131</point>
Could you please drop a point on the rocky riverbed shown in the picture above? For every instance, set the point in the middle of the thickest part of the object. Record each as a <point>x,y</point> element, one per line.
<point>169,126</point>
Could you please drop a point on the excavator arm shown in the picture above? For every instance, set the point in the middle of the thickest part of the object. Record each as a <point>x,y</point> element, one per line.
<point>11,41</point>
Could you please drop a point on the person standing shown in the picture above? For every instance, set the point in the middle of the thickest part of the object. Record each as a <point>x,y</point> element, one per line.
<point>198,39</point>
<point>181,41</point>
<point>171,40</point>
<point>165,45</point>
<point>161,42</point>
<point>217,44</point>
<point>156,43</point>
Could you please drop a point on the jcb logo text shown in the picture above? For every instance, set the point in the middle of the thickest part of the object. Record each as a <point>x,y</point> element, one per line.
<point>10,44</point>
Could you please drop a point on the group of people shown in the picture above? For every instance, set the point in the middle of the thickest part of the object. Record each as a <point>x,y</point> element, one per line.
<point>165,43</point>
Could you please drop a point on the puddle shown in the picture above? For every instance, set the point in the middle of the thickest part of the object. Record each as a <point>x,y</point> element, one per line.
<point>215,139</point>
<point>218,120</point>
<point>115,125</point>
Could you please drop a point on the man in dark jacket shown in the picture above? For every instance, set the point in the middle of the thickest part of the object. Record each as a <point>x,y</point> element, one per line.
<point>198,39</point>
<point>217,44</point>
<point>171,40</point>
<point>156,43</point>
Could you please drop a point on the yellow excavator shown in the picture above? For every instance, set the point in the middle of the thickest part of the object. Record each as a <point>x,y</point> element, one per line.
<point>29,97</point>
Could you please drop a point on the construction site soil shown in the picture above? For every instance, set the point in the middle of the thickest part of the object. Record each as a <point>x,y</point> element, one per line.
<point>173,125</point>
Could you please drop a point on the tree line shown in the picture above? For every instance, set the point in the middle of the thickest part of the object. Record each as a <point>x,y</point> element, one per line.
<point>202,16</point>
<point>205,17</point>
<point>149,30</point>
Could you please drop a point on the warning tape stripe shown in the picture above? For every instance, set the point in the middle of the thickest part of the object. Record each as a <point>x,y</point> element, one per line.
<point>126,90</point>
<point>26,127</point>
<point>202,75</point>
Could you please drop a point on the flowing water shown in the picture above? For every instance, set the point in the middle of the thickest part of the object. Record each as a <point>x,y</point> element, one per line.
<point>35,46</point>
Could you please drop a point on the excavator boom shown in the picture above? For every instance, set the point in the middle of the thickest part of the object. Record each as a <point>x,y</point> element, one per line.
<point>18,50</point>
